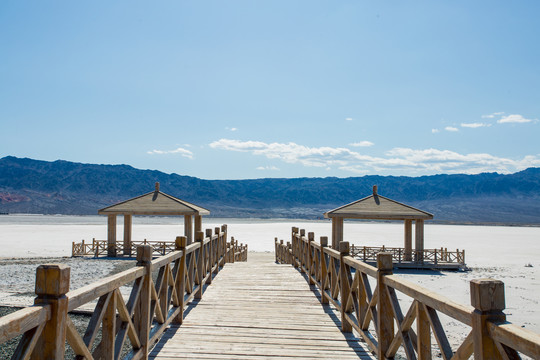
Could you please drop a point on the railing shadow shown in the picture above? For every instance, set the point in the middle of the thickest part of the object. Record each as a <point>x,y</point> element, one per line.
<point>355,342</point>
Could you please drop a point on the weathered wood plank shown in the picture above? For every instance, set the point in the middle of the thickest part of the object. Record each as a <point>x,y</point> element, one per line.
<point>259,311</point>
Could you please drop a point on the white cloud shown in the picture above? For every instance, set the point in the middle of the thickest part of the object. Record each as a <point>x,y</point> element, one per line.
<point>271,168</point>
<point>434,131</point>
<point>515,118</point>
<point>349,119</point>
<point>492,115</point>
<point>474,125</point>
<point>364,143</point>
<point>231,129</point>
<point>451,128</point>
<point>183,152</point>
<point>405,160</point>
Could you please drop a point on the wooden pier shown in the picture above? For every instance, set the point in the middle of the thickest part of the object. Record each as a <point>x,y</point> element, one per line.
<point>259,310</point>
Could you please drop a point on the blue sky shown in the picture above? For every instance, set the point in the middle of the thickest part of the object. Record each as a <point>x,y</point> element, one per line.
<point>251,89</point>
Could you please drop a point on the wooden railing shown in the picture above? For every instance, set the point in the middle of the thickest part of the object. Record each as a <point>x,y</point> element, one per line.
<point>367,299</point>
<point>100,247</point>
<point>434,256</point>
<point>160,290</point>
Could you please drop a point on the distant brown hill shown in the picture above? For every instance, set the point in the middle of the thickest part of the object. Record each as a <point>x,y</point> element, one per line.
<point>62,187</point>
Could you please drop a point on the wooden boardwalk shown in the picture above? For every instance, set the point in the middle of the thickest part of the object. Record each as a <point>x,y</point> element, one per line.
<point>259,310</point>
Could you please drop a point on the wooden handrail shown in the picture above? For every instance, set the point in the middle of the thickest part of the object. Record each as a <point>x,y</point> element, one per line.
<point>366,297</point>
<point>160,290</point>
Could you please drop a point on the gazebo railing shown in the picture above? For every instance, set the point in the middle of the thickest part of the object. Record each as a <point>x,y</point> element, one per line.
<point>436,256</point>
<point>159,248</point>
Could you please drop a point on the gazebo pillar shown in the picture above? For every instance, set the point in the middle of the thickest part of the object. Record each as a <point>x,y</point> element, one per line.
<point>127,234</point>
<point>188,228</point>
<point>419,240</point>
<point>407,253</point>
<point>198,223</point>
<point>111,235</point>
<point>337,232</point>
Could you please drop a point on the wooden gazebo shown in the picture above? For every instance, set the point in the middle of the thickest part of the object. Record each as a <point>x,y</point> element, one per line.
<point>377,207</point>
<point>152,203</point>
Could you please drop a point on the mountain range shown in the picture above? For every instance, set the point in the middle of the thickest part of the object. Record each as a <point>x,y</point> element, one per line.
<point>62,187</point>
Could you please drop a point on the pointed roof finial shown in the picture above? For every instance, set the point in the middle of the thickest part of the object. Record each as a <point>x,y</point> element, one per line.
<point>374,190</point>
<point>157,187</point>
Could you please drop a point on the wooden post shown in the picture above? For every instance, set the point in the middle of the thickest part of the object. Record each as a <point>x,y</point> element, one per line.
<point>345,289</point>
<point>288,257</point>
<point>142,323</point>
<point>233,250</point>
<point>423,332</point>
<point>294,242</point>
<point>217,250</point>
<point>276,250</point>
<point>324,243</point>
<point>223,243</point>
<point>127,234</point>
<point>385,318</point>
<point>303,254</point>
<point>52,284</point>
<point>487,298</point>
<point>337,232</point>
<point>199,237</point>
<point>210,249</point>
<point>309,267</point>
<point>188,228</point>
<point>180,244</point>
<point>111,235</point>
<point>408,241</point>
<point>198,223</point>
<point>419,240</point>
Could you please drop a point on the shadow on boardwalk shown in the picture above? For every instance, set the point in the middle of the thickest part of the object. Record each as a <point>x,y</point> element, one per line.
<point>260,310</point>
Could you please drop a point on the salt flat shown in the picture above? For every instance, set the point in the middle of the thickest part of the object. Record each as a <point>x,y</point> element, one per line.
<point>500,252</point>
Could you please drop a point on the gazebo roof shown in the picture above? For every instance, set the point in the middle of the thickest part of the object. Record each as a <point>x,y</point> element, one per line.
<point>154,203</point>
<point>378,207</point>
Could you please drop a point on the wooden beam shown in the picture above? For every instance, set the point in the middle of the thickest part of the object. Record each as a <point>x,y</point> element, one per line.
<point>111,235</point>
<point>419,240</point>
<point>408,241</point>
<point>487,298</point>
<point>127,234</point>
<point>52,284</point>
<point>188,228</point>
<point>337,232</point>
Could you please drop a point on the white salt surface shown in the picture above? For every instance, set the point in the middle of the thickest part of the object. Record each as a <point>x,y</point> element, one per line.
<point>499,252</point>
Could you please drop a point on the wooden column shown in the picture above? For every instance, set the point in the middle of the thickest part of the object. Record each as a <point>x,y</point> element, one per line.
<point>52,284</point>
<point>309,268</point>
<point>127,234</point>
<point>385,318</point>
<point>198,223</point>
<point>142,315</point>
<point>188,228</point>
<point>210,249</point>
<point>419,240</point>
<point>337,232</point>
<point>487,298</point>
<point>324,271</point>
<point>407,256</point>
<point>199,237</point>
<point>111,235</point>
<point>345,290</point>
<point>180,244</point>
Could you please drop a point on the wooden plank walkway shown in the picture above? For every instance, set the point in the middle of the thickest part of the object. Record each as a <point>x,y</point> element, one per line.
<point>259,310</point>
